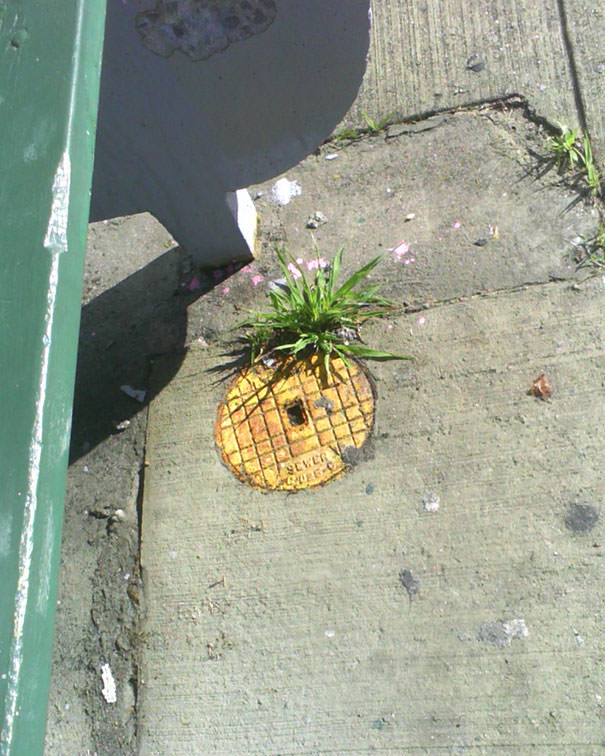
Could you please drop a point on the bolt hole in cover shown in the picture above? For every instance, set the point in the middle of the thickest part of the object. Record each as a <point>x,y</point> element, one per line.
<point>292,426</point>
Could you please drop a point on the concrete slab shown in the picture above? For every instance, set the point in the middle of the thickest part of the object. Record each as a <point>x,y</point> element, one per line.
<point>585,30</point>
<point>432,55</point>
<point>444,596</point>
<point>456,205</point>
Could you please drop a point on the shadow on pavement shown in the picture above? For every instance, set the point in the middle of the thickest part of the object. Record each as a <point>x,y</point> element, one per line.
<point>143,315</point>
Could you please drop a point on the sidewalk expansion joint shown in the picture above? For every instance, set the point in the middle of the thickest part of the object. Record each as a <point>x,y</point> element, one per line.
<point>410,309</point>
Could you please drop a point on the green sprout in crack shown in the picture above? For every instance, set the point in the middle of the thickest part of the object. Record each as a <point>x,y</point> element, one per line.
<point>371,127</point>
<point>594,249</point>
<point>574,153</point>
<point>593,175</point>
<point>318,316</point>
<point>565,148</point>
<point>374,127</point>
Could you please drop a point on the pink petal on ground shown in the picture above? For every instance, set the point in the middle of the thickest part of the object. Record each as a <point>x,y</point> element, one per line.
<point>421,320</point>
<point>400,250</point>
<point>294,270</point>
<point>225,290</point>
<point>389,326</point>
<point>246,269</point>
<point>257,279</point>
<point>316,263</point>
<point>194,284</point>
<point>299,260</point>
<point>457,224</point>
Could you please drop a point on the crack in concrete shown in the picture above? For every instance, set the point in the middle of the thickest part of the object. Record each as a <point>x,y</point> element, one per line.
<point>425,306</point>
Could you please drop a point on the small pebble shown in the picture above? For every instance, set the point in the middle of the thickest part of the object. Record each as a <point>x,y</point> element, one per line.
<point>316,220</point>
<point>475,63</point>
<point>410,583</point>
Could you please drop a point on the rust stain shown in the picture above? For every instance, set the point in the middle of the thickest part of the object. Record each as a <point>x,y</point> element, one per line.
<point>292,426</point>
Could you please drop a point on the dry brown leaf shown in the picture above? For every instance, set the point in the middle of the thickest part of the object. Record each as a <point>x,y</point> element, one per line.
<point>541,387</point>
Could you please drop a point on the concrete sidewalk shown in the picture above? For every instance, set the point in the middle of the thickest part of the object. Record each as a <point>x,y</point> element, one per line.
<point>445,596</point>
<point>430,55</point>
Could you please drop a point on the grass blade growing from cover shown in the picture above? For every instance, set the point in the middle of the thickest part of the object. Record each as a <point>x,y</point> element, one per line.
<point>317,316</point>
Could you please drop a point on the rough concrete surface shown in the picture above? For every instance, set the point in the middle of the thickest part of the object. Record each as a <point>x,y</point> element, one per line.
<point>443,597</point>
<point>467,234</point>
<point>584,30</point>
<point>427,56</point>
<point>349,619</point>
<point>429,601</point>
<point>432,55</point>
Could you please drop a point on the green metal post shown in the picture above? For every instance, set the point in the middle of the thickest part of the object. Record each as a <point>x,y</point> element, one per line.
<point>50,59</point>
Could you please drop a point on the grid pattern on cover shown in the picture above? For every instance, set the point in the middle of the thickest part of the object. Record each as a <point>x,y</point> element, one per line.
<point>288,429</point>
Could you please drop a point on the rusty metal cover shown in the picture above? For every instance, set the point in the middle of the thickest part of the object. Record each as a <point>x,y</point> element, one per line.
<point>292,426</point>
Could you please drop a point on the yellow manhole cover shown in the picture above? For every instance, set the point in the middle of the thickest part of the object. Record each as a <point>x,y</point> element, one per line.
<point>292,426</point>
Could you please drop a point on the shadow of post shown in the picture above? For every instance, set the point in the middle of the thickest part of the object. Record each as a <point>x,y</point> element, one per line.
<point>120,329</point>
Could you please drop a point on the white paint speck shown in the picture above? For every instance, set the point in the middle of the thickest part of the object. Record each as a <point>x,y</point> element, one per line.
<point>516,628</point>
<point>330,633</point>
<point>109,684</point>
<point>284,190</point>
<point>431,502</point>
<point>6,532</point>
<point>30,153</point>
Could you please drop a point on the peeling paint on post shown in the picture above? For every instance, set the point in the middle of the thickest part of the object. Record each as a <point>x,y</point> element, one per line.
<point>56,232</point>
<point>49,73</point>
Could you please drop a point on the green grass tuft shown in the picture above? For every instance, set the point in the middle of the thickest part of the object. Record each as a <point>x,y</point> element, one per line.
<point>318,316</point>
<point>594,249</point>
<point>574,153</point>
